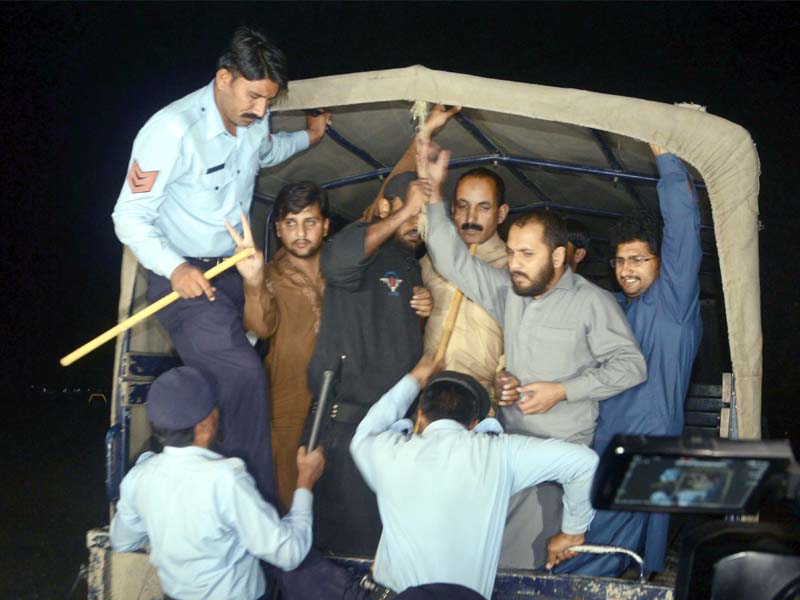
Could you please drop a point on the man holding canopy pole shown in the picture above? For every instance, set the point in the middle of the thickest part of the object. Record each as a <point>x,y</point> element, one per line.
<point>192,168</point>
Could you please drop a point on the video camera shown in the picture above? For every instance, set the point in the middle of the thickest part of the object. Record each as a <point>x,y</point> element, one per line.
<point>722,560</point>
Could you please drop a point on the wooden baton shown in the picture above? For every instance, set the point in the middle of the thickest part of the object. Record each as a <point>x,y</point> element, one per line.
<point>148,311</point>
<point>450,320</point>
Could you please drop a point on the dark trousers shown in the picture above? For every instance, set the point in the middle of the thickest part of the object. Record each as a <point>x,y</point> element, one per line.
<point>318,578</point>
<point>346,517</point>
<point>210,337</point>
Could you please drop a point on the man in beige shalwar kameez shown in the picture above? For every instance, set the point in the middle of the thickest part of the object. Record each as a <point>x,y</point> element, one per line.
<point>476,344</point>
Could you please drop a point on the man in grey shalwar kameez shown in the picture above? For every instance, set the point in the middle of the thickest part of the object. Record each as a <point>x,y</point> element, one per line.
<point>566,340</point>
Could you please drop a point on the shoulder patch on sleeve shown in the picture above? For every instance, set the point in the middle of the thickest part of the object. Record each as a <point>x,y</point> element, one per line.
<point>141,181</point>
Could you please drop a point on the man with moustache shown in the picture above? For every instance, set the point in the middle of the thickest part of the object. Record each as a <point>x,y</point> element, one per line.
<point>193,167</point>
<point>476,344</point>
<point>566,340</point>
<point>657,268</point>
<point>283,303</point>
<point>371,313</point>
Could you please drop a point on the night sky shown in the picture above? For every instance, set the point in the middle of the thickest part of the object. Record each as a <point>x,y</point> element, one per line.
<point>81,79</point>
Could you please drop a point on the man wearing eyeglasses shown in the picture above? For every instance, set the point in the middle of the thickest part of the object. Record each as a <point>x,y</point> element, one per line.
<point>657,267</point>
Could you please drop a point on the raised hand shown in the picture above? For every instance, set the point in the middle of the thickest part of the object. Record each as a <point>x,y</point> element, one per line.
<point>417,195</point>
<point>316,126</point>
<point>657,150</point>
<point>437,119</point>
<point>251,268</point>
<point>425,369</point>
<point>432,165</point>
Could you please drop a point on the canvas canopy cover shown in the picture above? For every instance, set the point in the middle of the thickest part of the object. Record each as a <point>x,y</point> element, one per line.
<point>581,153</point>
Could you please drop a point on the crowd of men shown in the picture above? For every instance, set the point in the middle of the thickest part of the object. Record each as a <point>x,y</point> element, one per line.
<point>439,469</point>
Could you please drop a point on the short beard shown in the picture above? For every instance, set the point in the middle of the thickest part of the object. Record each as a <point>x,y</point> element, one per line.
<point>538,285</point>
<point>407,245</point>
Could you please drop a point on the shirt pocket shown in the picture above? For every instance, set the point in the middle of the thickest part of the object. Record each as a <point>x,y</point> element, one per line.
<point>212,188</point>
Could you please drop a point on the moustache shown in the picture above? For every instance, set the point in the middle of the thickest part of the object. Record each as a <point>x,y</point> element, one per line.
<point>519,274</point>
<point>251,116</point>
<point>472,226</point>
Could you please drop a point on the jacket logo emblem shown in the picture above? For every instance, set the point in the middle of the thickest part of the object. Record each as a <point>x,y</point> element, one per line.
<point>392,281</point>
<point>141,181</point>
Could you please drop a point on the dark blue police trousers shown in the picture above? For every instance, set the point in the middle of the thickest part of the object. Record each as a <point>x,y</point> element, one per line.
<point>210,337</point>
<point>318,578</point>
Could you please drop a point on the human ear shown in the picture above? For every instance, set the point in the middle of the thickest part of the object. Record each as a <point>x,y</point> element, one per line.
<point>502,213</point>
<point>222,78</point>
<point>559,257</point>
<point>384,208</point>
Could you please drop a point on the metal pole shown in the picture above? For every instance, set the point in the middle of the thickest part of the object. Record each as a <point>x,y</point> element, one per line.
<point>327,381</point>
<point>328,378</point>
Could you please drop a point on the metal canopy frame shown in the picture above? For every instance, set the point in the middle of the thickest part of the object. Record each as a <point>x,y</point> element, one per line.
<point>496,156</point>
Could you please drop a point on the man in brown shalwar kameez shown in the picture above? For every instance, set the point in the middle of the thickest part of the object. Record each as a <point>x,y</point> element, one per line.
<point>283,303</point>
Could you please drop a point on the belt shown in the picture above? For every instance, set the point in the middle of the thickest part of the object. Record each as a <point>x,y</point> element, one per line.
<point>207,261</point>
<point>344,412</point>
<point>348,413</point>
<point>375,590</point>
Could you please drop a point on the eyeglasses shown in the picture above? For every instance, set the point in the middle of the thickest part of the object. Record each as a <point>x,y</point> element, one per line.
<point>636,261</point>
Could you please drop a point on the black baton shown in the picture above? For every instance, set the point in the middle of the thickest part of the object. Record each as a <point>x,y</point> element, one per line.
<point>328,378</point>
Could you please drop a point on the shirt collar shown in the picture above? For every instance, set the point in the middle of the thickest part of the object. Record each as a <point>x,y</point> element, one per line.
<point>213,119</point>
<point>188,451</point>
<point>444,425</point>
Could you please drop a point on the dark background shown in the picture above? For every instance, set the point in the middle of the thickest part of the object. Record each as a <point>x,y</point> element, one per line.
<point>79,80</point>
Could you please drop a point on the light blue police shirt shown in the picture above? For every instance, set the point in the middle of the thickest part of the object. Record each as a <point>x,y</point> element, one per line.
<point>443,494</point>
<point>187,175</point>
<point>207,524</point>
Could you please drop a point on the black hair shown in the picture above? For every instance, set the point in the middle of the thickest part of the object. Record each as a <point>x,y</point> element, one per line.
<point>577,234</point>
<point>252,55</point>
<point>642,225</point>
<point>447,400</point>
<point>484,173</point>
<point>295,197</point>
<point>179,438</point>
<point>555,230</point>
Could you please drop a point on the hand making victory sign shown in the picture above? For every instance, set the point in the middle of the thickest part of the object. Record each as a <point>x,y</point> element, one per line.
<point>251,268</point>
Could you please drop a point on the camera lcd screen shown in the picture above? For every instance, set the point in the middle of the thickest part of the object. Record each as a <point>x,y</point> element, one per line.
<point>690,482</point>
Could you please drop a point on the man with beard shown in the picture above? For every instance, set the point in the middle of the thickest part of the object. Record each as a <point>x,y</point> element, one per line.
<point>566,340</point>
<point>657,269</point>
<point>476,344</point>
<point>283,303</point>
<point>206,523</point>
<point>193,166</point>
<point>371,313</point>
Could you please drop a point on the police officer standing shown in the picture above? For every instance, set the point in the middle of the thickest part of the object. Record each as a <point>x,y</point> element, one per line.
<point>193,167</point>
